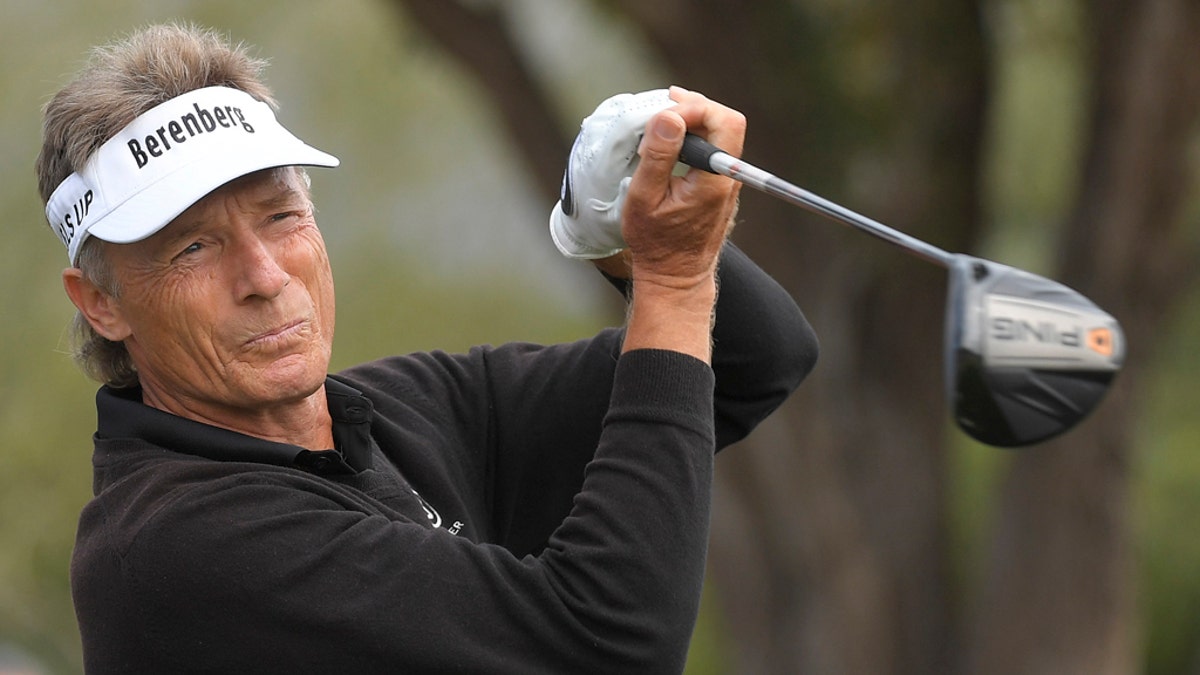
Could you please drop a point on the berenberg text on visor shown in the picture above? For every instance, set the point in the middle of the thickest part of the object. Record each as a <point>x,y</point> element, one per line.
<point>187,126</point>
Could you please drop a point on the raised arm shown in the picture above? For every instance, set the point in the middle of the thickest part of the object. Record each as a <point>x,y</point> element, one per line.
<point>675,226</point>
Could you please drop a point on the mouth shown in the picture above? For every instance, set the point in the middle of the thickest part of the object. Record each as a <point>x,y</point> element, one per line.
<point>280,336</point>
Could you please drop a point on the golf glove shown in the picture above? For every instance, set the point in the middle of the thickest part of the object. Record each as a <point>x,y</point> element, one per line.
<point>586,222</point>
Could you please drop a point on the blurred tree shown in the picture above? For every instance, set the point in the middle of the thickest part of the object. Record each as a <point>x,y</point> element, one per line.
<point>831,543</point>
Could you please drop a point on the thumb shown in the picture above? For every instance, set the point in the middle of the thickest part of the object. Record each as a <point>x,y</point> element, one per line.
<point>659,151</point>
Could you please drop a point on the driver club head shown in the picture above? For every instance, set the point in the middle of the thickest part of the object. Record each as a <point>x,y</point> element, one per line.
<point>1027,358</point>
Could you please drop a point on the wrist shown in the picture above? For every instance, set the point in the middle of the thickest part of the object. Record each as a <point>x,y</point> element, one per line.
<point>673,314</point>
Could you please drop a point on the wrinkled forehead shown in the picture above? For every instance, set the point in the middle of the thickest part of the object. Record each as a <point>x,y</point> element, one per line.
<point>260,191</point>
<point>257,194</point>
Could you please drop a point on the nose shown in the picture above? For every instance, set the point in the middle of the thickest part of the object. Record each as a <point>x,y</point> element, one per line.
<point>257,270</point>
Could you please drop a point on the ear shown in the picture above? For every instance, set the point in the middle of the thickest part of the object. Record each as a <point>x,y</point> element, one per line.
<point>100,309</point>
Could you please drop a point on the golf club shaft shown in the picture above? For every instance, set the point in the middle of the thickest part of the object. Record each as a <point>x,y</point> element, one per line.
<point>701,154</point>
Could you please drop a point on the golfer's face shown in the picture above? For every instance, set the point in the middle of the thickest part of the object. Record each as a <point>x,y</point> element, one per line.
<point>230,307</point>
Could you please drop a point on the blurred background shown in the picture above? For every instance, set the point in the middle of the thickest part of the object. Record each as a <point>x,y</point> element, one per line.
<point>856,531</point>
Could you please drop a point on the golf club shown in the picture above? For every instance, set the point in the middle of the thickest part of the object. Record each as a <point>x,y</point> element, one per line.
<point>1026,358</point>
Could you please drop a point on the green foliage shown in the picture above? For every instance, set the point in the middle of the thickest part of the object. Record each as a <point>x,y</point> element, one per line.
<point>388,304</point>
<point>1037,119</point>
<point>1167,498</point>
<point>709,651</point>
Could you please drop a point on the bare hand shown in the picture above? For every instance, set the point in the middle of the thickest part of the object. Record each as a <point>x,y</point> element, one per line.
<point>674,228</point>
<point>673,225</point>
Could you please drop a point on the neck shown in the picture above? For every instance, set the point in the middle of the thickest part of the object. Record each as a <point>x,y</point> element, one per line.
<point>304,422</point>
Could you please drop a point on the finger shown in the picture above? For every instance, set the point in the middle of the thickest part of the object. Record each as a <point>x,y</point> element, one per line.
<point>720,125</point>
<point>659,152</point>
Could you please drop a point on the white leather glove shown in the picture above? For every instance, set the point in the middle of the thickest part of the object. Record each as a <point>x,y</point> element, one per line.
<point>586,222</point>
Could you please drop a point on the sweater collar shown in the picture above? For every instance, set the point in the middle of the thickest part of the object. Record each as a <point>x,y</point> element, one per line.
<point>122,414</point>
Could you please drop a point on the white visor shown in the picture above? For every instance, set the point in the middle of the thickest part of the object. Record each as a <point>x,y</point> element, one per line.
<point>169,158</point>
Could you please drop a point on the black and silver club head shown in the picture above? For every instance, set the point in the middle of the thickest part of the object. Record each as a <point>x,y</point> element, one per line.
<point>1026,358</point>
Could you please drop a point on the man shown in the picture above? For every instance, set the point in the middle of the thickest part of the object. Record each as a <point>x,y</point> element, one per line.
<point>512,509</point>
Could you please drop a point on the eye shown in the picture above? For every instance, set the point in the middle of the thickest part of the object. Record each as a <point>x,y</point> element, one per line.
<point>189,250</point>
<point>286,215</point>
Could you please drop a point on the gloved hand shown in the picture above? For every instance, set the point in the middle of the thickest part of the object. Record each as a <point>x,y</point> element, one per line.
<point>586,222</point>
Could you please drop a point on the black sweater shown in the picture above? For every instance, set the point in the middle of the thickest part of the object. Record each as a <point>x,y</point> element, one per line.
<point>515,509</point>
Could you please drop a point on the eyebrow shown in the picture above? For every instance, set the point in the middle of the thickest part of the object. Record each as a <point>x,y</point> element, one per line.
<point>180,229</point>
<point>280,198</point>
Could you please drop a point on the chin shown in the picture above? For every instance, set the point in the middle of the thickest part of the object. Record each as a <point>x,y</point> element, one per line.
<point>291,378</point>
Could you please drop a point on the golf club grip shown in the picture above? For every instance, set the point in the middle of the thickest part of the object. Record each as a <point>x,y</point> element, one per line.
<point>698,153</point>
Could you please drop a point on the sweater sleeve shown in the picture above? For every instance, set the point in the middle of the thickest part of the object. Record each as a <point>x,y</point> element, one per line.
<point>763,346</point>
<point>545,404</point>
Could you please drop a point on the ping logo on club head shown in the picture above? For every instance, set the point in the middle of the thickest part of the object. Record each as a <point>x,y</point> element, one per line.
<point>1100,340</point>
<point>1024,332</point>
<point>1022,329</point>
